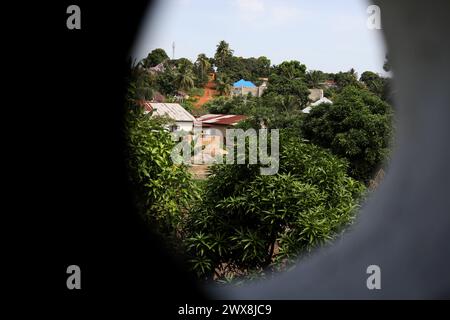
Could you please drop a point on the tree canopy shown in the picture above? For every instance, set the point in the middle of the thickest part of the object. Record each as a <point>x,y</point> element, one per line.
<point>357,126</point>
<point>155,57</point>
<point>247,222</point>
<point>288,80</point>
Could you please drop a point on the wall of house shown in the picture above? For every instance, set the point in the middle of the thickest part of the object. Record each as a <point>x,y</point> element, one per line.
<point>216,130</point>
<point>185,125</point>
<point>261,89</point>
<point>244,91</point>
<point>256,92</point>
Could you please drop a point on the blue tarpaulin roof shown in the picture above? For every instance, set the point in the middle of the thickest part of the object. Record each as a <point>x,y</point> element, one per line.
<point>244,83</point>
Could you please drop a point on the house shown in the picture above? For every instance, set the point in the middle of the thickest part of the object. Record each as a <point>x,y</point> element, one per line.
<point>183,120</point>
<point>263,86</point>
<point>320,101</point>
<point>157,69</point>
<point>158,97</point>
<point>213,134</point>
<point>180,96</point>
<point>316,96</point>
<point>244,87</point>
<point>216,124</point>
<point>329,84</point>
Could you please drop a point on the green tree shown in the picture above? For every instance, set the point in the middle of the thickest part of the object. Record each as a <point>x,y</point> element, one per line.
<point>263,67</point>
<point>314,78</point>
<point>167,81</point>
<point>288,80</point>
<point>373,82</point>
<point>223,53</point>
<point>155,57</point>
<point>163,191</point>
<point>202,68</point>
<point>224,85</point>
<point>244,216</point>
<point>140,81</point>
<point>344,79</point>
<point>185,79</point>
<point>182,64</point>
<point>357,126</point>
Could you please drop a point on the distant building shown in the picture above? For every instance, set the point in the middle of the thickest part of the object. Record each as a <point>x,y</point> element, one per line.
<point>158,97</point>
<point>180,96</point>
<point>216,124</point>
<point>315,94</point>
<point>316,97</point>
<point>263,86</point>
<point>157,69</point>
<point>183,120</point>
<point>329,84</point>
<point>244,87</point>
<point>320,101</point>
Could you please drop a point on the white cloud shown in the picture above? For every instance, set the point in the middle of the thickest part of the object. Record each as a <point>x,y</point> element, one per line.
<point>259,13</point>
<point>250,10</point>
<point>283,14</point>
<point>254,6</point>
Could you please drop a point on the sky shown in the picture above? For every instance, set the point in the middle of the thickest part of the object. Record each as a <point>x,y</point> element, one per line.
<point>325,35</point>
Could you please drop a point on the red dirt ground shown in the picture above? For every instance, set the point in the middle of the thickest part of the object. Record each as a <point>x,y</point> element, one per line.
<point>209,92</point>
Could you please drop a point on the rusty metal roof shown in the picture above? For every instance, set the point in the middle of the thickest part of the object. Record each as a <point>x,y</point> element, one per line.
<point>220,119</point>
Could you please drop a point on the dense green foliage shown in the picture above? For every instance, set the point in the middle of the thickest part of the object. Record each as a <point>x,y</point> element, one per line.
<point>202,67</point>
<point>357,126</point>
<point>377,85</point>
<point>163,191</point>
<point>314,78</point>
<point>289,80</point>
<point>155,57</point>
<point>238,222</point>
<point>235,68</point>
<point>249,222</point>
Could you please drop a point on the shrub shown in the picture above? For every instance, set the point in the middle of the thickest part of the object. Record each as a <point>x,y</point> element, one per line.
<point>247,222</point>
<point>357,126</point>
<point>163,191</point>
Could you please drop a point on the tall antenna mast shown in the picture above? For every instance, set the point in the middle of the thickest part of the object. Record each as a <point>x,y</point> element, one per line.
<point>173,50</point>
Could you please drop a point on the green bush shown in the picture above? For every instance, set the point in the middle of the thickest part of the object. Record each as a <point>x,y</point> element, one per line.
<point>163,191</point>
<point>196,92</point>
<point>357,126</point>
<point>245,217</point>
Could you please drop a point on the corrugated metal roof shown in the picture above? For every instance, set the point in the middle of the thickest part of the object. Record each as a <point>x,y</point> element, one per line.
<point>221,119</point>
<point>322,100</point>
<point>244,83</point>
<point>173,110</point>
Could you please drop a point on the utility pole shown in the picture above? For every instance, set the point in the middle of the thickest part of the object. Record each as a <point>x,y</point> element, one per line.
<point>173,50</point>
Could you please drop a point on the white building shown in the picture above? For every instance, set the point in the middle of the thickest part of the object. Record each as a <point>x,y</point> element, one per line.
<point>316,95</point>
<point>183,120</point>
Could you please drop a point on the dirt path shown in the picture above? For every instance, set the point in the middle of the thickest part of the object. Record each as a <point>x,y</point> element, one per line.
<point>208,94</point>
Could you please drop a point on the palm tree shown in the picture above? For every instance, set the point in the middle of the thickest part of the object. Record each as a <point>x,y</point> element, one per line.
<point>203,66</point>
<point>353,73</point>
<point>203,62</point>
<point>185,79</point>
<point>314,78</point>
<point>223,85</point>
<point>222,53</point>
